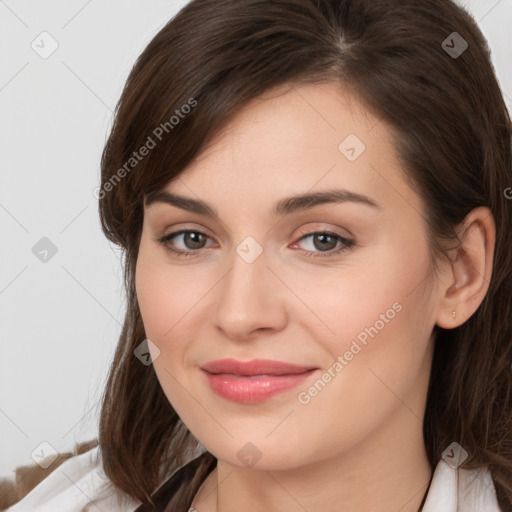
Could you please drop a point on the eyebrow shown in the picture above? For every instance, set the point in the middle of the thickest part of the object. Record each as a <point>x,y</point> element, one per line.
<point>283,207</point>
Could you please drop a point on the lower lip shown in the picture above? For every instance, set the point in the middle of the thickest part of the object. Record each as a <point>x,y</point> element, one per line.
<point>253,389</point>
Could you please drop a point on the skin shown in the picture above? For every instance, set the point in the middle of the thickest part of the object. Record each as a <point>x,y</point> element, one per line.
<point>358,443</point>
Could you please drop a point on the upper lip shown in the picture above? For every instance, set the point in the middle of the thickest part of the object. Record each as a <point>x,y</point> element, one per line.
<point>254,367</point>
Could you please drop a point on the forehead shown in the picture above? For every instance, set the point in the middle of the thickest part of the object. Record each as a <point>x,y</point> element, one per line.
<point>296,139</point>
<point>286,117</point>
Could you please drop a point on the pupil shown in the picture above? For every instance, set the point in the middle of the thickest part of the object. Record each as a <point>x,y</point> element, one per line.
<point>323,238</point>
<point>192,236</point>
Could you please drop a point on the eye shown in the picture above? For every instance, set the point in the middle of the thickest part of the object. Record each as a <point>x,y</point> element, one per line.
<point>192,239</point>
<point>194,242</point>
<point>326,241</point>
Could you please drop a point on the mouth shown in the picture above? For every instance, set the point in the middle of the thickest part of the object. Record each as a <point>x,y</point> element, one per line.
<point>253,381</point>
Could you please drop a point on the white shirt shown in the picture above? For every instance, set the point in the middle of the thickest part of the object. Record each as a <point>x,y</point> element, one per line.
<point>79,484</point>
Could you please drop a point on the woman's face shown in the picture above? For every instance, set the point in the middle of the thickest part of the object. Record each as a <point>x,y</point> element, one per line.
<point>343,289</point>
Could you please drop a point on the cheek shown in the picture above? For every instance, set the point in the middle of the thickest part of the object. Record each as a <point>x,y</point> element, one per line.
<point>163,305</point>
<point>156,302</point>
<point>165,295</point>
<point>384,341</point>
<point>376,369</point>
<point>379,319</point>
<point>172,301</point>
<point>357,300</point>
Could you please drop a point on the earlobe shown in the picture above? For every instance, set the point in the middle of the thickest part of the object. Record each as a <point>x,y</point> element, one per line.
<point>471,269</point>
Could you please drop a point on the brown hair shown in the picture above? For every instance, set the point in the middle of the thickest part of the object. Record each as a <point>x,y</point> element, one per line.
<point>451,130</point>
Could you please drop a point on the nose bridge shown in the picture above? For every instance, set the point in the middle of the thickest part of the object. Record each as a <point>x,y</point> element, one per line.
<point>247,278</point>
<point>245,302</point>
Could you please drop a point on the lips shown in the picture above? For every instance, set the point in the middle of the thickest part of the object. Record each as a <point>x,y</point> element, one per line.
<point>254,367</point>
<point>251,382</point>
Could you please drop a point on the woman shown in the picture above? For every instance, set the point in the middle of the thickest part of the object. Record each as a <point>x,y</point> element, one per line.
<point>258,369</point>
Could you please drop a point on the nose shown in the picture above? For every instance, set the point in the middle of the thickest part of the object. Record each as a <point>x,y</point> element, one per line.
<point>250,298</point>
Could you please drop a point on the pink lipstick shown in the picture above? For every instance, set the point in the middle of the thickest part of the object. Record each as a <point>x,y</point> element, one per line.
<point>255,381</point>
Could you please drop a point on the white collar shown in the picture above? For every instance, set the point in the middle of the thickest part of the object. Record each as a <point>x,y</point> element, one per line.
<point>461,490</point>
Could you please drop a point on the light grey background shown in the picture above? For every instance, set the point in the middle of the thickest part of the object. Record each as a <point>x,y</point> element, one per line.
<point>60,319</point>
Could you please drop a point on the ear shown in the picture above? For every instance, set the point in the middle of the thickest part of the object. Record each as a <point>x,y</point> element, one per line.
<point>464,286</point>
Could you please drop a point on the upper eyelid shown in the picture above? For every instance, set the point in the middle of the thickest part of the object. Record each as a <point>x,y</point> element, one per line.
<point>319,227</point>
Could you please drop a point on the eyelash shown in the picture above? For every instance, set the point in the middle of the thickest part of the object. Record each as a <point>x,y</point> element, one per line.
<point>347,244</point>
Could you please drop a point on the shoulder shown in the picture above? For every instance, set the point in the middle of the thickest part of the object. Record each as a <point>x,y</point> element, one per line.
<point>77,484</point>
<point>453,489</point>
